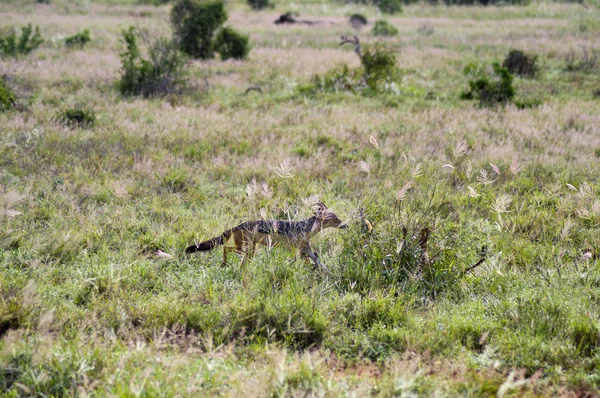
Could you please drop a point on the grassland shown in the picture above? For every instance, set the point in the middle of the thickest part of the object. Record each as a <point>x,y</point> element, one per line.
<point>86,308</point>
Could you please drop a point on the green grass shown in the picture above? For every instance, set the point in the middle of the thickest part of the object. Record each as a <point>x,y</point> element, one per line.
<point>86,307</point>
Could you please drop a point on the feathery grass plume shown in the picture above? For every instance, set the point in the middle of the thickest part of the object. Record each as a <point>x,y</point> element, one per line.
<point>252,188</point>
<point>402,192</point>
<point>566,229</point>
<point>460,150</point>
<point>284,169</point>
<point>364,167</point>
<point>416,171</point>
<point>501,204</point>
<point>572,187</point>
<point>374,142</point>
<point>585,191</point>
<point>495,168</point>
<point>310,201</point>
<point>484,178</point>
<point>472,192</point>
<point>468,169</point>
<point>265,190</point>
<point>515,168</point>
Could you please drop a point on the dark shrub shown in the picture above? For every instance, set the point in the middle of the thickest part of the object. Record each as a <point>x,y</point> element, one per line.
<point>231,44</point>
<point>78,40</point>
<point>521,64</point>
<point>194,25</point>
<point>259,4</point>
<point>383,28</point>
<point>78,117</point>
<point>358,21</point>
<point>163,73</point>
<point>21,43</point>
<point>596,93</point>
<point>389,6</point>
<point>489,90</point>
<point>7,95</point>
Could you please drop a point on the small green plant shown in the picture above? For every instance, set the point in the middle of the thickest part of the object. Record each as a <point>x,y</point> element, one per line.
<point>7,95</point>
<point>259,4</point>
<point>231,44</point>
<point>194,25</point>
<point>78,117</point>
<point>78,40</point>
<point>383,28</point>
<point>521,64</point>
<point>164,73</point>
<point>489,89</point>
<point>21,41</point>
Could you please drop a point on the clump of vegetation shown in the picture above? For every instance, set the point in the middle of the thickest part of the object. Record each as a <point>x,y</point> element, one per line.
<point>521,64</point>
<point>163,73</point>
<point>78,117</point>
<point>259,4</point>
<point>21,41</point>
<point>389,6</point>
<point>229,43</point>
<point>358,21</point>
<point>486,2</point>
<point>7,95</point>
<point>378,71</point>
<point>489,89</point>
<point>585,62</point>
<point>195,23</point>
<point>596,93</point>
<point>78,40</point>
<point>383,28</point>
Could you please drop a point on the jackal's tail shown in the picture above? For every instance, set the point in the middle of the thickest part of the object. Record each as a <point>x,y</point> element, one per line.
<point>210,244</point>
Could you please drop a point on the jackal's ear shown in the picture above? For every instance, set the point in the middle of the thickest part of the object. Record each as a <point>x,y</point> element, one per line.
<point>320,210</point>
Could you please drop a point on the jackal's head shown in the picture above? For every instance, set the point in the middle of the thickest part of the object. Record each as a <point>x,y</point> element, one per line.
<point>327,218</point>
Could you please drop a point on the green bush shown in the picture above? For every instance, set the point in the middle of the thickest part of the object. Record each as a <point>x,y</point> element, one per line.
<point>21,43</point>
<point>259,4</point>
<point>231,44</point>
<point>7,96</point>
<point>194,25</point>
<point>163,73</point>
<point>489,90</point>
<point>78,117</point>
<point>78,40</point>
<point>379,64</point>
<point>383,28</point>
<point>389,6</point>
<point>521,64</point>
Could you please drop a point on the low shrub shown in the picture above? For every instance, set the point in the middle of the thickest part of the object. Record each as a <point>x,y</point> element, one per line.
<point>383,28</point>
<point>21,41</point>
<point>194,25</point>
<point>164,73</point>
<point>259,4</point>
<point>389,6</point>
<point>379,64</point>
<point>229,43</point>
<point>521,64</point>
<point>78,40</point>
<point>78,117</point>
<point>7,95</point>
<point>489,89</point>
<point>585,62</point>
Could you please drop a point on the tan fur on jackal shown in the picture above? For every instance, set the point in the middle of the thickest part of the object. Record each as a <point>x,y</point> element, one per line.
<point>295,235</point>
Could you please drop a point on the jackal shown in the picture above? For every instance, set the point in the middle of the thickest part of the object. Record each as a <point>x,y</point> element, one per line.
<point>293,234</point>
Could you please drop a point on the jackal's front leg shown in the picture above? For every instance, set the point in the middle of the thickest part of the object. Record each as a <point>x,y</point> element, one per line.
<point>307,252</point>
